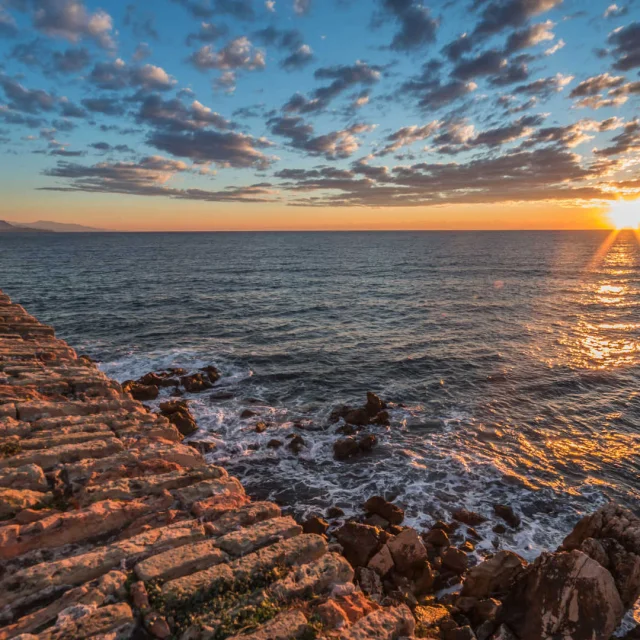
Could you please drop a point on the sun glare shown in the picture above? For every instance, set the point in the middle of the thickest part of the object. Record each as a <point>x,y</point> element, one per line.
<point>625,214</point>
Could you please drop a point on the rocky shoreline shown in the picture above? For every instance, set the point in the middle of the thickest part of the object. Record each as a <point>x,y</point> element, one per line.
<point>111,526</point>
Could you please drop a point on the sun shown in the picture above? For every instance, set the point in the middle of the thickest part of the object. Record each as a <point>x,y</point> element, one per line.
<point>625,214</point>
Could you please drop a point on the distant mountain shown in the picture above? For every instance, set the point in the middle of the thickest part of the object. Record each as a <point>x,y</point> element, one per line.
<point>47,225</point>
<point>5,227</point>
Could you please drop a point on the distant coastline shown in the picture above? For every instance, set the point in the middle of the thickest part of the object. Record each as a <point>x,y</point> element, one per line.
<point>46,226</point>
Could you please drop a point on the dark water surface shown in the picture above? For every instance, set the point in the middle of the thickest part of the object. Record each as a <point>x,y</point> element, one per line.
<point>515,356</point>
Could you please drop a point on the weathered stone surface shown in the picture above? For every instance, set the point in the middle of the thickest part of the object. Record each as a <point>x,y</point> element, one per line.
<point>14,500</point>
<point>49,458</point>
<point>493,576</point>
<point>455,560</point>
<point>384,624</point>
<point>315,524</point>
<point>59,529</point>
<point>29,476</point>
<point>299,550</point>
<point>288,625</point>
<point>225,486</point>
<point>382,562</point>
<point>28,584</point>
<point>130,488</point>
<point>182,561</point>
<point>91,594</point>
<point>243,517</point>
<point>93,623</point>
<point>565,595</point>
<point>313,579</point>
<point>239,543</point>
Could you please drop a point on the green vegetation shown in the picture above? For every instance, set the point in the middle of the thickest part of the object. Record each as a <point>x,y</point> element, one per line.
<point>227,608</point>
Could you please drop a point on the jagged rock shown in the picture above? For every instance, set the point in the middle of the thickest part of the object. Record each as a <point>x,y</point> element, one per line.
<point>212,373</point>
<point>29,476</point>
<point>141,392</point>
<point>316,525</point>
<point>507,513</point>
<point>455,560</point>
<point>470,518</point>
<point>196,382</point>
<point>437,537</point>
<point>297,444</point>
<point>408,552</point>
<point>374,405</point>
<point>360,542</point>
<point>386,510</point>
<point>161,379</point>
<point>14,500</point>
<point>430,617</point>
<point>345,448</point>
<point>370,582</point>
<point>274,443</point>
<point>243,541</point>
<point>461,633</point>
<point>358,417</point>
<point>611,536</point>
<point>367,443</point>
<point>493,576</point>
<point>383,624</point>
<point>286,626</point>
<point>382,562</point>
<point>184,421</point>
<point>565,595</point>
<point>335,512</point>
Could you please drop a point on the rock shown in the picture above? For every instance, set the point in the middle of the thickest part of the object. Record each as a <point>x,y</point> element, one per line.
<point>493,576</point>
<point>212,373</point>
<point>377,521</point>
<point>358,417</point>
<point>384,509</point>
<point>374,405</point>
<point>455,560</point>
<point>29,477</point>
<point>470,518</point>
<point>261,534</point>
<point>156,625</point>
<point>382,562</point>
<point>499,529</point>
<point>261,427</point>
<point>316,525</point>
<point>171,406</point>
<point>359,541</point>
<point>247,413</point>
<point>332,615</point>
<point>611,536</point>
<point>370,582</point>
<point>162,379</point>
<point>503,633</point>
<point>430,617</point>
<point>383,624</point>
<point>196,382</point>
<point>408,552</point>
<point>461,633</point>
<point>345,448</point>
<point>339,412</point>
<point>139,596</point>
<point>297,444</point>
<point>286,626</point>
<point>334,512</point>
<point>141,392</point>
<point>14,500</point>
<point>487,609</point>
<point>367,443</point>
<point>383,418</point>
<point>184,421</point>
<point>565,595</point>
<point>437,537</point>
<point>507,513</point>
<point>274,444</point>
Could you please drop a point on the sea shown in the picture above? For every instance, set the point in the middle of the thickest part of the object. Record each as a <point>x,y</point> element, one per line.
<point>510,360</point>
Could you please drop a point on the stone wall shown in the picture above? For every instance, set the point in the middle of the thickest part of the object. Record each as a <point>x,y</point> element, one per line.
<point>111,527</point>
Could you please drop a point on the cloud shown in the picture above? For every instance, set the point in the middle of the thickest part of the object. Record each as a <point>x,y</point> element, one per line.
<point>208,32</point>
<point>26,100</point>
<point>406,136</point>
<point>521,128</point>
<point>226,149</point>
<point>301,7</point>
<point>240,9</point>
<point>487,63</point>
<point>36,53</point>
<point>561,44</point>
<point>614,11</point>
<point>116,75</point>
<point>70,110</point>
<point>142,26</point>
<point>298,59</point>
<point>174,115</point>
<point>149,177</point>
<point>270,5</point>
<point>8,26</point>
<point>455,49</point>
<point>430,91</point>
<point>626,46</point>
<point>104,105</point>
<point>300,54</point>
<point>334,145</point>
<point>237,54</point>
<point>544,88</point>
<point>71,20</point>
<point>499,15</point>
<point>344,77</point>
<point>595,85</point>
<point>417,27</point>
<point>142,52</point>
<point>623,143</point>
<point>530,37</point>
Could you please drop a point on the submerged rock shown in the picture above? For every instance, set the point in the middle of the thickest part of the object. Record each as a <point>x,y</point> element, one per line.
<point>470,518</point>
<point>379,506</point>
<point>507,513</point>
<point>196,382</point>
<point>140,392</point>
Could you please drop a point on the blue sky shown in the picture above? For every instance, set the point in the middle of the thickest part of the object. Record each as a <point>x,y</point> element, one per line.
<point>317,104</point>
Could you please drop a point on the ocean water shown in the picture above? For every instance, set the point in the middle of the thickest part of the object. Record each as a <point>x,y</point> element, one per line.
<point>512,360</point>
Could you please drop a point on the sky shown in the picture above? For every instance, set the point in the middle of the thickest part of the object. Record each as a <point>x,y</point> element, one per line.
<point>320,114</point>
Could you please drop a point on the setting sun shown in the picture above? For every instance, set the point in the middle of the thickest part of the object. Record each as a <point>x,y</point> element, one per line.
<point>625,214</point>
